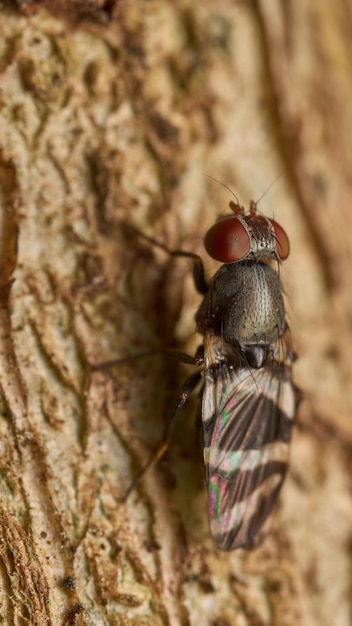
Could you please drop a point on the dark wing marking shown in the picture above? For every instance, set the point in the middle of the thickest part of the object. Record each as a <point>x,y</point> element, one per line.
<point>247,423</point>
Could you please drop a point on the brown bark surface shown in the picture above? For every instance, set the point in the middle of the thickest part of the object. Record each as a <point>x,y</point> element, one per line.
<point>111,112</point>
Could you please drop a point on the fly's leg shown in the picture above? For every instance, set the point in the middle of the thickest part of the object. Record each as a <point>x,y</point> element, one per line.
<point>186,391</point>
<point>202,287</point>
<point>198,267</point>
<point>182,357</point>
<point>200,282</point>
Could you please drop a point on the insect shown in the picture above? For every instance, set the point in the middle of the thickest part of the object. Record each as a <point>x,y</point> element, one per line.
<point>249,400</point>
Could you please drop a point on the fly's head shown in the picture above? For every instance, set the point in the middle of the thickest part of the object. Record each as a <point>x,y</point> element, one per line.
<point>242,237</point>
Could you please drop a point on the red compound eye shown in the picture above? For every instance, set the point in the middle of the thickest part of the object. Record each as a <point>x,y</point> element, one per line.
<point>282,242</point>
<point>228,241</point>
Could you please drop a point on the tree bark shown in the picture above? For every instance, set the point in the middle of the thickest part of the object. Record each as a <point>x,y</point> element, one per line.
<point>111,113</point>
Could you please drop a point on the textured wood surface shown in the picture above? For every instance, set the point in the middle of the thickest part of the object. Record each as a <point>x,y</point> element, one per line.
<point>111,113</point>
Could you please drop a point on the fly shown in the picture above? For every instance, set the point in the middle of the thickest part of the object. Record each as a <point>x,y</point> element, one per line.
<point>249,400</point>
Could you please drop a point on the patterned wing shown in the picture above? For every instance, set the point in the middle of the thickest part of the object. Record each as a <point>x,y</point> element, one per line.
<point>247,423</point>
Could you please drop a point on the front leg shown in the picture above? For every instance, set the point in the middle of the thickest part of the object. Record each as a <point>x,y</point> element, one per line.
<point>198,268</point>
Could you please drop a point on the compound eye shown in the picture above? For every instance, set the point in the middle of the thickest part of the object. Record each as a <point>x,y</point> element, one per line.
<point>227,241</point>
<point>282,242</point>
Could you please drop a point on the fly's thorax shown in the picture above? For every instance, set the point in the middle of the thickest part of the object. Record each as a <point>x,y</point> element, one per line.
<point>244,305</point>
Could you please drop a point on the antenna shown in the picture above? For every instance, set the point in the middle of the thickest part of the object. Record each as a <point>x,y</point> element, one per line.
<point>268,188</point>
<point>223,184</point>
